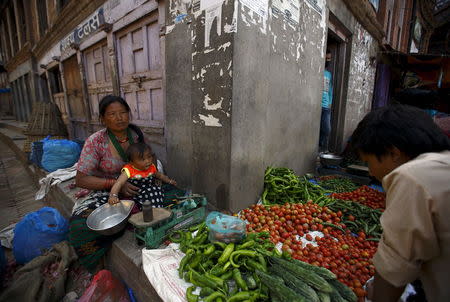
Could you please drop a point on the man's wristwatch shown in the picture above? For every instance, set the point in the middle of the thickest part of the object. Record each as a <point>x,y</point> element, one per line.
<point>114,195</point>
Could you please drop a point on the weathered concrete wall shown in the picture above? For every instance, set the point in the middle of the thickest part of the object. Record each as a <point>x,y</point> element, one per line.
<point>277,88</point>
<point>252,97</point>
<point>179,103</point>
<point>361,71</point>
<point>361,80</point>
<point>198,110</point>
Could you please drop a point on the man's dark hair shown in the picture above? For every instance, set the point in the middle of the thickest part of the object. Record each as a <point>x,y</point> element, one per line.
<point>137,150</point>
<point>409,129</point>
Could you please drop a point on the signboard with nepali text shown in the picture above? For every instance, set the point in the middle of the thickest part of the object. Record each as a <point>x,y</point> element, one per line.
<point>84,30</point>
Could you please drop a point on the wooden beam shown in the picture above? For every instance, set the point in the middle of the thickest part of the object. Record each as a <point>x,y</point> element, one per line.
<point>66,99</point>
<point>9,29</point>
<point>366,15</point>
<point>112,58</point>
<point>18,25</point>
<point>84,88</point>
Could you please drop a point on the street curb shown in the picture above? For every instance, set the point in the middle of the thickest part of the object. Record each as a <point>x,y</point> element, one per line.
<point>20,155</point>
<point>12,127</point>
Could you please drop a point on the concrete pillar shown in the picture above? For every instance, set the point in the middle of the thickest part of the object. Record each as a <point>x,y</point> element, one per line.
<point>243,92</point>
<point>19,32</point>
<point>27,94</point>
<point>66,99</point>
<point>49,86</point>
<point>22,99</point>
<point>5,43</point>
<point>27,6</point>
<point>34,82</point>
<point>11,39</point>
<point>15,100</point>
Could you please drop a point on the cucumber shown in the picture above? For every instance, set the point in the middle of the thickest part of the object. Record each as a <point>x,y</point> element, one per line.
<point>274,297</point>
<point>278,288</point>
<point>336,297</point>
<point>307,276</point>
<point>344,290</point>
<point>324,297</point>
<point>296,284</point>
<point>321,271</point>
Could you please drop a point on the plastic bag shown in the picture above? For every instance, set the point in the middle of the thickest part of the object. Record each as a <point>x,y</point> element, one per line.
<point>225,228</point>
<point>105,288</point>
<point>36,153</point>
<point>59,154</point>
<point>37,232</point>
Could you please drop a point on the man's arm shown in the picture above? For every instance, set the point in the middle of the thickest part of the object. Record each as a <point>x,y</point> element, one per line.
<point>384,291</point>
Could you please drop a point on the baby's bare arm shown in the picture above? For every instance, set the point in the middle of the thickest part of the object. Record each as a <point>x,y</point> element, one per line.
<point>115,189</point>
<point>165,178</point>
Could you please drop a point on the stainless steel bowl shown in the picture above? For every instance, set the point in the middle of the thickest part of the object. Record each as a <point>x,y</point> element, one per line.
<point>330,159</point>
<point>110,219</point>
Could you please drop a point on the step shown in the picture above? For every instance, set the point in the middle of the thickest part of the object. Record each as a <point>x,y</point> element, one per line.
<point>13,125</point>
<point>124,258</point>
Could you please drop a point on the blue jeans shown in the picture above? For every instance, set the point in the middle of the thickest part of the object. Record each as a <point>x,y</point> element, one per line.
<point>325,129</point>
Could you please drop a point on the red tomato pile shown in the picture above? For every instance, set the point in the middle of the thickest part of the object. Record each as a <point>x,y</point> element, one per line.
<point>365,195</point>
<point>348,257</point>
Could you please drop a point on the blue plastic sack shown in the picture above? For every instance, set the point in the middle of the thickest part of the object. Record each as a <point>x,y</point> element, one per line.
<point>376,187</point>
<point>225,228</point>
<point>59,154</point>
<point>36,153</point>
<point>38,232</point>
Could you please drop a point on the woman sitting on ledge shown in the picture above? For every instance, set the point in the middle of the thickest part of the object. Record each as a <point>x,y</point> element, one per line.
<point>100,163</point>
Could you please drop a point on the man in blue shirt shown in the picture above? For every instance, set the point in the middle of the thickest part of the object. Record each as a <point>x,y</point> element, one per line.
<point>327,99</point>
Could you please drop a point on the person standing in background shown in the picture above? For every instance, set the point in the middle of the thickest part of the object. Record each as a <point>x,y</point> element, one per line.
<point>327,99</point>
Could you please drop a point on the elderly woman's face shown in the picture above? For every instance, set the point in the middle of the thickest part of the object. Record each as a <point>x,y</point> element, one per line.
<point>116,117</point>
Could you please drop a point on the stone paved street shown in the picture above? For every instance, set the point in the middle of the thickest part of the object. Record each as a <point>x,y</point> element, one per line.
<point>17,188</point>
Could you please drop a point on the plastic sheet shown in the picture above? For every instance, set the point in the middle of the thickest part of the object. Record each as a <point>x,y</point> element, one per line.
<point>105,288</point>
<point>225,228</point>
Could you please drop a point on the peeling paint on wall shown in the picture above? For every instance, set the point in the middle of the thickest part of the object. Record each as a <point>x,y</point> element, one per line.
<point>212,35</point>
<point>291,40</point>
<point>213,106</point>
<point>170,28</point>
<point>212,14</point>
<point>210,120</point>
<point>224,46</point>
<point>250,18</point>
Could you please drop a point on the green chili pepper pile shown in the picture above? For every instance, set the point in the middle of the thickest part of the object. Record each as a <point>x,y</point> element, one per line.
<point>358,217</point>
<point>338,184</point>
<point>224,272</point>
<point>281,185</point>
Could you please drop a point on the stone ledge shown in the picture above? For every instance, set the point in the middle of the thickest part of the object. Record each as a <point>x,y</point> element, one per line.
<point>124,258</point>
<point>11,126</point>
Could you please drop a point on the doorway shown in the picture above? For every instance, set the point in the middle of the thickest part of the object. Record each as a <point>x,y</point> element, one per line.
<point>78,118</point>
<point>339,44</point>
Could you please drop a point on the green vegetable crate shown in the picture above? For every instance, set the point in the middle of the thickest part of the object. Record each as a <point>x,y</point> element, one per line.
<point>186,212</point>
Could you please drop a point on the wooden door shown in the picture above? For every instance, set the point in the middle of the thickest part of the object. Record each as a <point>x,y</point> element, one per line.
<point>74,89</point>
<point>141,71</point>
<point>98,75</point>
<point>78,115</point>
